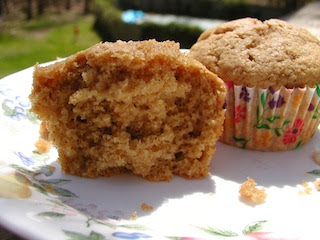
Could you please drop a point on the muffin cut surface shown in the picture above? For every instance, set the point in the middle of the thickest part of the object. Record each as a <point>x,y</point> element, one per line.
<point>138,106</point>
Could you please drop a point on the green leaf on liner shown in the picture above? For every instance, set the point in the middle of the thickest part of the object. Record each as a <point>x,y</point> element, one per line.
<point>79,236</point>
<point>277,132</point>
<point>218,232</point>
<point>316,112</point>
<point>258,113</point>
<point>51,214</point>
<point>239,139</point>
<point>318,90</point>
<point>64,192</point>
<point>285,122</point>
<point>272,119</point>
<point>315,172</point>
<point>254,227</point>
<point>262,99</point>
<point>56,182</point>
<point>263,126</point>
<point>298,144</point>
<point>8,111</point>
<point>244,145</point>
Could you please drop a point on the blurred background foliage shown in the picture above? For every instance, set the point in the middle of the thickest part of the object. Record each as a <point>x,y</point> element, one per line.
<point>34,31</point>
<point>49,29</point>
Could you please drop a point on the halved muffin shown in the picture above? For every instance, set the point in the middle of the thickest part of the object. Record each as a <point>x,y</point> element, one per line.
<point>138,106</point>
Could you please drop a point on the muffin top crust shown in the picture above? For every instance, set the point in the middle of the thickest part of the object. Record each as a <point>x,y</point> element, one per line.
<point>264,54</point>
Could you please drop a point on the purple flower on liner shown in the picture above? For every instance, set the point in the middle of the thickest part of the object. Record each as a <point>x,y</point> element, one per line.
<point>280,101</point>
<point>271,90</point>
<point>272,103</point>
<point>244,94</point>
<point>311,107</point>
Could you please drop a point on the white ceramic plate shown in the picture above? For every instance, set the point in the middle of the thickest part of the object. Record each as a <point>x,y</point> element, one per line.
<point>38,201</point>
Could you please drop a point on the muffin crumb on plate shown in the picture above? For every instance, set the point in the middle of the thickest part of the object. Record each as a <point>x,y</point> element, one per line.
<point>146,207</point>
<point>306,188</point>
<point>250,192</point>
<point>317,184</point>
<point>134,216</point>
<point>42,145</point>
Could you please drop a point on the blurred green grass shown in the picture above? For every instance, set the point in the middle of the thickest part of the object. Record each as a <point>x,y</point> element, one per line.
<point>40,40</point>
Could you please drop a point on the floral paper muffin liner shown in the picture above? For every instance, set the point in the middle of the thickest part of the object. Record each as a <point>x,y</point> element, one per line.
<point>268,119</point>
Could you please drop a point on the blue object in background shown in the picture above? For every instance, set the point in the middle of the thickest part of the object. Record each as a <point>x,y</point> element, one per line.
<point>132,16</point>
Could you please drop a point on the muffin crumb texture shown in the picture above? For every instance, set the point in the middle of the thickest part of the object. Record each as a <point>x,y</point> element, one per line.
<point>142,107</point>
<point>43,131</point>
<point>250,192</point>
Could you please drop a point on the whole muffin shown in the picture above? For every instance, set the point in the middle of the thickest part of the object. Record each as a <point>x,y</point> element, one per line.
<point>272,72</point>
<point>142,107</point>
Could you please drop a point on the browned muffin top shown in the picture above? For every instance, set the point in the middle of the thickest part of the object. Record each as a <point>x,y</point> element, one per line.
<point>270,53</point>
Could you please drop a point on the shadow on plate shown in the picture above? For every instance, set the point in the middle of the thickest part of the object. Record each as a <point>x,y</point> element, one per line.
<point>121,196</point>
